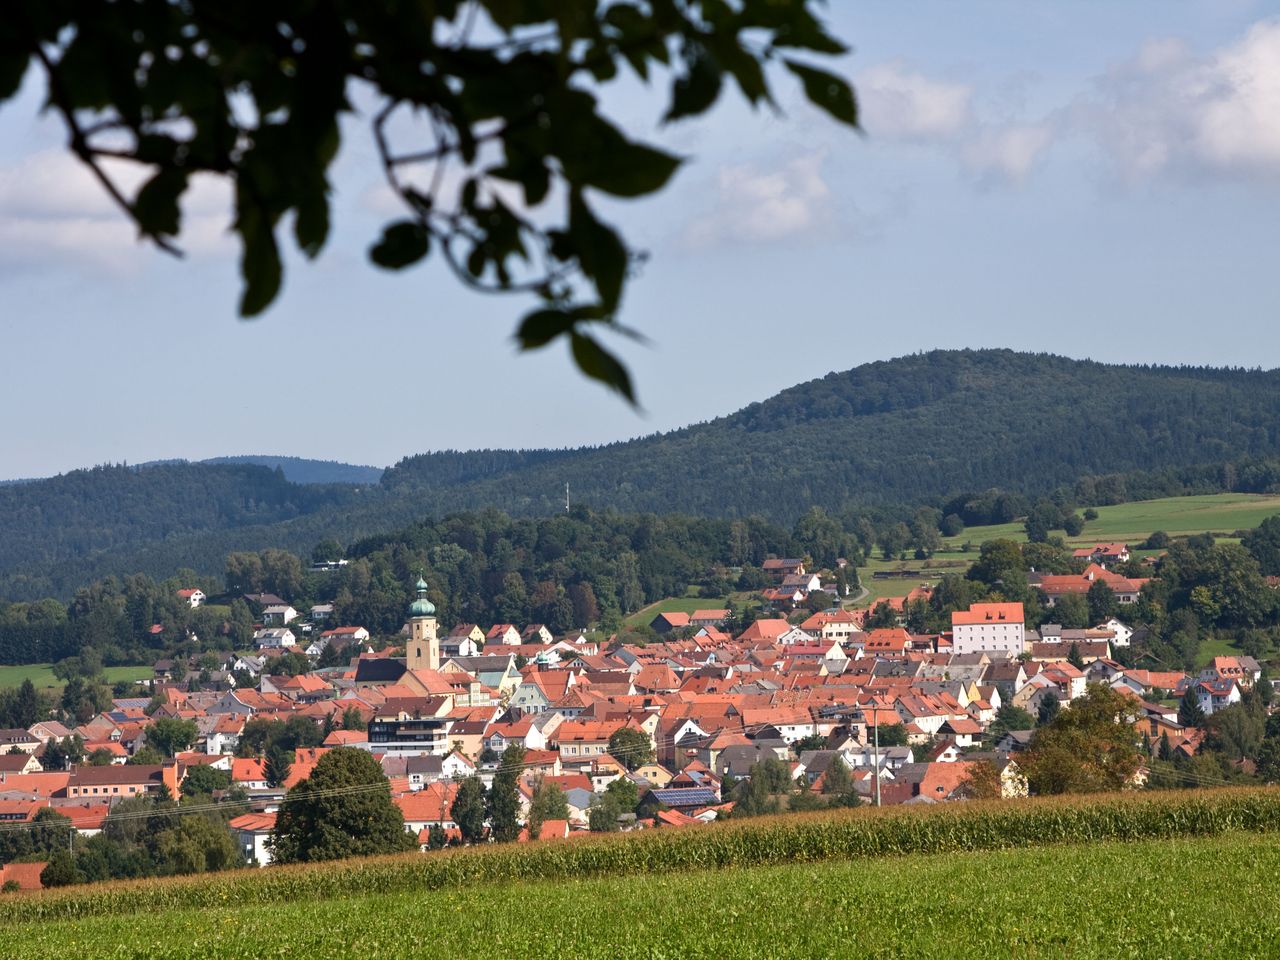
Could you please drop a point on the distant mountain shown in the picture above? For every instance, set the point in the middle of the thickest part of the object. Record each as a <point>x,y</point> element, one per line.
<point>918,429</point>
<point>302,470</point>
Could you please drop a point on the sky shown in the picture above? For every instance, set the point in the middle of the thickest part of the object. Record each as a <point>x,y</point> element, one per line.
<point>1095,180</point>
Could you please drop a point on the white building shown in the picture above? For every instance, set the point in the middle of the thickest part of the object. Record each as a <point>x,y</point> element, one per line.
<point>992,628</point>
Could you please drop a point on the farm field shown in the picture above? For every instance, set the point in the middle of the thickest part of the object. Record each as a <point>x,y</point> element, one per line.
<point>1128,522</point>
<point>41,675</point>
<point>1082,900</point>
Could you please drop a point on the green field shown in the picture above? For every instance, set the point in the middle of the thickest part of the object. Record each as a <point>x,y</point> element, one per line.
<point>41,674</point>
<point>1131,522</point>
<point>1128,522</point>
<point>1170,898</point>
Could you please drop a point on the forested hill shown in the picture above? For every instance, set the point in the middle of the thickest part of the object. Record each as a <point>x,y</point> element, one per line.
<point>913,429</point>
<point>303,470</point>
<point>52,527</point>
<point>905,432</point>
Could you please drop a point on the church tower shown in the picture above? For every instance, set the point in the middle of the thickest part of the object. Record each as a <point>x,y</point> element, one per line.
<point>422,651</point>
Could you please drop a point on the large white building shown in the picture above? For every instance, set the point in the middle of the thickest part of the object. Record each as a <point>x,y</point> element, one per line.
<point>992,628</point>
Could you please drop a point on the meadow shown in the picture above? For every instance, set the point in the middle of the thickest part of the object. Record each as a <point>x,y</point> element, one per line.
<point>1090,877</point>
<point>41,675</point>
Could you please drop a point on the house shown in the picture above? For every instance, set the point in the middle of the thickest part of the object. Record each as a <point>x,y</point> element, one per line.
<point>1103,553</point>
<point>193,595</point>
<point>1215,695</point>
<point>709,617</point>
<point>345,635</point>
<point>1243,670</point>
<point>1054,586</point>
<point>989,628</point>
<point>537,634</point>
<point>274,638</point>
<point>18,740</point>
<point>1121,633</point>
<point>838,625</point>
<point>464,640</point>
<point>781,568</point>
<point>669,620</point>
<point>278,615</point>
<point>123,780</point>
<point>252,831</point>
<point>321,612</point>
<point>19,762</point>
<point>503,633</point>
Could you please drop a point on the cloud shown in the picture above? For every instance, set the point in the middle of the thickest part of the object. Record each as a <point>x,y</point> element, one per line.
<point>903,105</point>
<point>1007,153</point>
<point>898,103</point>
<point>761,206</point>
<point>52,209</point>
<point>1167,110</point>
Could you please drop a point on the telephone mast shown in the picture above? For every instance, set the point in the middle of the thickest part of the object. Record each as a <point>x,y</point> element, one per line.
<point>566,496</point>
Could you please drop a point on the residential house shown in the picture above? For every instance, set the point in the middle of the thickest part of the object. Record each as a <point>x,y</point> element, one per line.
<point>194,596</point>
<point>252,831</point>
<point>278,615</point>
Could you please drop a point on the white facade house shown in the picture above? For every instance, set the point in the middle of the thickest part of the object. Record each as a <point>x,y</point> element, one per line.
<point>1123,634</point>
<point>991,628</point>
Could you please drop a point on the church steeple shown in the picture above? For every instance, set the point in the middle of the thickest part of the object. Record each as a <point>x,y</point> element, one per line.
<point>423,648</point>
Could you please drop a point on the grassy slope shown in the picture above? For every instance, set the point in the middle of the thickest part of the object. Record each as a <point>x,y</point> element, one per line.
<point>1096,900</point>
<point>1128,522</point>
<point>41,674</point>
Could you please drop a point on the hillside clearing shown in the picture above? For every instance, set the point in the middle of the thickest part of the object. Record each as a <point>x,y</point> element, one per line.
<point>41,675</point>
<point>1094,900</point>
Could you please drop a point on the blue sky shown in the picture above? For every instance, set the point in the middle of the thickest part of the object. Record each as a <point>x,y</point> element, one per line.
<point>1097,180</point>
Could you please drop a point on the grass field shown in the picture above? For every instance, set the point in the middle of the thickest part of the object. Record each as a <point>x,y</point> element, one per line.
<point>1094,900</point>
<point>1221,513</point>
<point>41,674</point>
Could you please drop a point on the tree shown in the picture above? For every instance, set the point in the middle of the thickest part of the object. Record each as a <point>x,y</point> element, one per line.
<point>203,780</point>
<point>468,809</point>
<point>146,756</point>
<point>1009,717</point>
<point>548,804</point>
<point>1071,611</point>
<point>1103,604</point>
<point>1074,657</point>
<point>504,795</point>
<point>1190,713</point>
<point>981,781</point>
<point>631,747</point>
<point>196,844</point>
<point>164,86</point>
<point>278,765</point>
<point>61,870</point>
<point>343,809</point>
<point>1048,710</point>
<point>171,735</point>
<point>1090,748</point>
<point>893,735</point>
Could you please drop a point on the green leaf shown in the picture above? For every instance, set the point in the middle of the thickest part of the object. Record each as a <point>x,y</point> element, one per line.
<point>599,364</point>
<point>694,91</point>
<point>540,327</point>
<point>156,205</point>
<point>259,262</point>
<point>629,169</point>
<point>13,66</point>
<point>403,244</point>
<point>311,224</point>
<point>600,251</point>
<point>833,94</point>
